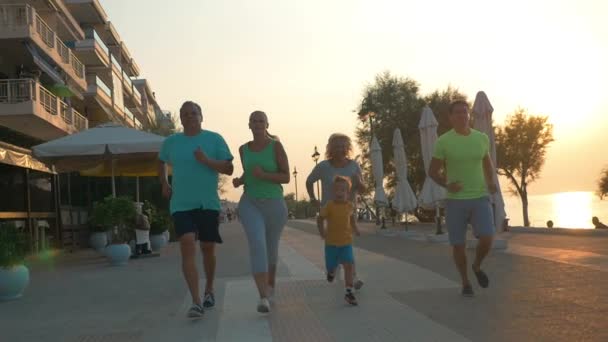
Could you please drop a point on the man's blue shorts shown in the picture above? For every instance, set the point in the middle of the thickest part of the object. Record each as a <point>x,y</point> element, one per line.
<point>460,212</point>
<point>203,223</point>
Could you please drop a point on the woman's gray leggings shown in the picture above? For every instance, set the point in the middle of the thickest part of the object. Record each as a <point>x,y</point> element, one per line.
<point>263,221</point>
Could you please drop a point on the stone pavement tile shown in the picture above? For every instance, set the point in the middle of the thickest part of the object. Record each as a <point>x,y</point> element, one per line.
<point>529,299</point>
<point>502,316</point>
<point>80,296</point>
<point>591,260</point>
<point>374,268</point>
<point>291,318</point>
<point>239,320</point>
<point>593,244</point>
<point>378,317</point>
<point>135,336</point>
<point>298,266</point>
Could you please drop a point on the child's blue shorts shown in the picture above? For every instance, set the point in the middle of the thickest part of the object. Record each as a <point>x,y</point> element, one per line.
<point>335,255</point>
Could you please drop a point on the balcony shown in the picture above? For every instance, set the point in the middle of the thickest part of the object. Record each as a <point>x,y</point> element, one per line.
<point>116,65</point>
<point>127,84</point>
<point>27,107</point>
<point>99,90</point>
<point>130,118</point>
<point>92,50</point>
<point>20,21</point>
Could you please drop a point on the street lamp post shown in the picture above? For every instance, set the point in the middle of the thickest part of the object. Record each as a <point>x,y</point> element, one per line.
<point>295,180</point>
<point>315,157</point>
<point>371,116</point>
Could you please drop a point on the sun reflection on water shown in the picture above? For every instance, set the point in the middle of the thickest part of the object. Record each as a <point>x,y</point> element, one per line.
<point>572,209</point>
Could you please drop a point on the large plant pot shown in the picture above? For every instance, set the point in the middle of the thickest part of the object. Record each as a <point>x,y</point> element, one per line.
<point>109,236</point>
<point>118,254</point>
<point>13,282</point>
<point>167,237</point>
<point>98,241</point>
<point>132,245</point>
<point>156,242</point>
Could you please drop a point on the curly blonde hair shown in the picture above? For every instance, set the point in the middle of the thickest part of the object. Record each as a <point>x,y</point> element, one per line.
<point>333,139</point>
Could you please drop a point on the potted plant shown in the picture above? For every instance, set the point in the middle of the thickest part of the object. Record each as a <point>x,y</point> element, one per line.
<point>14,275</point>
<point>150,210</point>
<point>100,225</point>
<point>158,226</point>
<point>160,220</point>
<point>120,216</point>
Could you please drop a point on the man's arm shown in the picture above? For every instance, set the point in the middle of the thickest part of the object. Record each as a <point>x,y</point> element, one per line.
<point>164,179</point>
<point>488,172</point>
<point>436,172</point>
<point>221,166</point>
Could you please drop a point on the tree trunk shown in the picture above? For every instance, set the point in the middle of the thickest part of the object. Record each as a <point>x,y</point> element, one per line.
<point>524,206</point>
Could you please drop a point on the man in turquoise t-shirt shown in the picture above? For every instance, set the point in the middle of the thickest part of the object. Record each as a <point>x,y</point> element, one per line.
<point>196,157</point>
<point>461,163</point>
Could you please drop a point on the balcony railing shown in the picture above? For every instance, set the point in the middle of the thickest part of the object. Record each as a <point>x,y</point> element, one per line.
<point>45,32</point>
<point>137,94</point>
<point>92,34</point>
<point>63,50</point>
<point>14,16</point>
<point>127,79</point>
<point>23,90</point>
<point>48,100</point>
<point>80,122</point>
<point>72,117</point>
<point>116,63</point>
<point>129,114</point>
<point>15,91</point>
<point>77,65</point>
<point>103,86</point>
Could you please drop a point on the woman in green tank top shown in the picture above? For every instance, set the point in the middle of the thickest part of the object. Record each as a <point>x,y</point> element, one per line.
<point>262,209</point>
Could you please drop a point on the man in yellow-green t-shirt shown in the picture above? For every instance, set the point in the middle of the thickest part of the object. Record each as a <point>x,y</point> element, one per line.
<point>461,163</point>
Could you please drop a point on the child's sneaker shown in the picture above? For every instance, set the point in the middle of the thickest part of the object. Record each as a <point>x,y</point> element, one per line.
<point>358,284</point>
<point>330,277</point>
<point>349,297</point>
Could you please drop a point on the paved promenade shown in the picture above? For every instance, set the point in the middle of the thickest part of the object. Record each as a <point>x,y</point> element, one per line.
<point>544,287</point>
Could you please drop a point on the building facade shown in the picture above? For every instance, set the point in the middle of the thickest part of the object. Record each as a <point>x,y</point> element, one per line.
<point>63,68</point>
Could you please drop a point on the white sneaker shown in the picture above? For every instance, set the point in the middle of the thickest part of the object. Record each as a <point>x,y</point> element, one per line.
<point>263,305</point>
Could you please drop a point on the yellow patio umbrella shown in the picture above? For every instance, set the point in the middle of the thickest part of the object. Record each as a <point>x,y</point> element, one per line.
<point>134,167</point>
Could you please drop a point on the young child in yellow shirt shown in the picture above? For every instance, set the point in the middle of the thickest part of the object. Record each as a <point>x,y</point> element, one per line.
<point>338,235</point>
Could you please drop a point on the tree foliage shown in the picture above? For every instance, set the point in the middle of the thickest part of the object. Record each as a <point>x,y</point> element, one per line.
<point>603,184</point>
<point>300,208</point>
<point>521,148</point>
<point>397,103</point>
